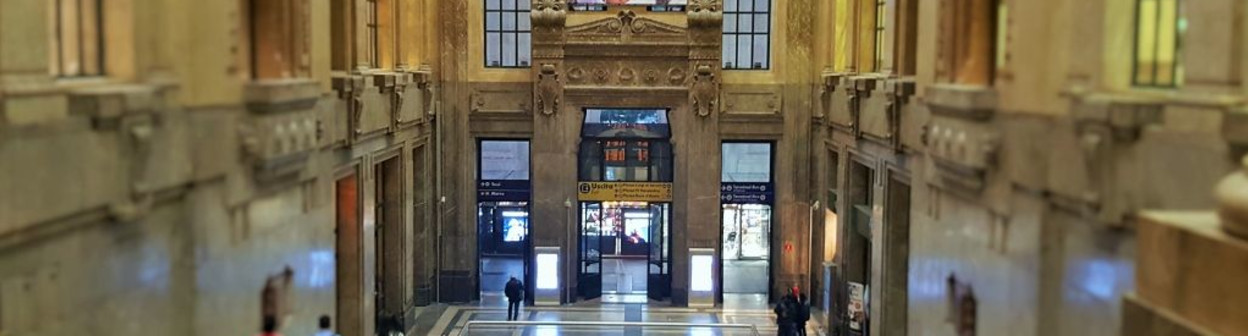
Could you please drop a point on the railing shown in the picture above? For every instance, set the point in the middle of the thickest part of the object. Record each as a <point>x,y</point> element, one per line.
<point>463,332</point>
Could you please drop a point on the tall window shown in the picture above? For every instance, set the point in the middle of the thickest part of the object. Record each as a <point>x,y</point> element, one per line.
<point>340,21</point>
<point>747,34</point>
<point>371,30</point>
<point>906,42</point>
<point>77,39</point>
<point>1158,33</point>
<point>879,35</point>
<point>507,34</point>
<point>968,34</point>
<point>278,49</point>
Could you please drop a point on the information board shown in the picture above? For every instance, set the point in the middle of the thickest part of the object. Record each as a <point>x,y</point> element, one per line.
<point>624,191</point>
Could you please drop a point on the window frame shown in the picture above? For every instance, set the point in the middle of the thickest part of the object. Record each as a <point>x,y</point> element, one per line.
<point>752,33</point>
<point>518,10</point>
<point>771,160</point>
<point>1177,46</point>
<point>57,56</point>
<point>878,15</point>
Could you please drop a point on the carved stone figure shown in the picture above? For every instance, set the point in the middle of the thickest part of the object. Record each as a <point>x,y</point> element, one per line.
<point>548,89</point>
<point>705,91</point>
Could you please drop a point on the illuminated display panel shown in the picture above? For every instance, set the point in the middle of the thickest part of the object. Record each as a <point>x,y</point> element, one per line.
<point>700,273</point>
<point>547,271</point>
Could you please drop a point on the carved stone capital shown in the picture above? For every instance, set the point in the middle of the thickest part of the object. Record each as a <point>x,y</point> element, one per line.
<point>548,15</point>
<point>1232,194</point>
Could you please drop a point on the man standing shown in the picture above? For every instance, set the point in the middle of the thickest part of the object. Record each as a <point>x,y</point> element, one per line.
<point>786,314</point>
<point>325,329</point>
<point>515,295</point>
<point>803,313</point>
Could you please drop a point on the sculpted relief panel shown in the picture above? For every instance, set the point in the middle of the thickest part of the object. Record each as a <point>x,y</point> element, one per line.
<point>627,73</point>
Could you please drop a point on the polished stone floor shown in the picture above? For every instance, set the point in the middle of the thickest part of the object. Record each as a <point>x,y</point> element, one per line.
<point>745,276</point>
<point>737,309</point>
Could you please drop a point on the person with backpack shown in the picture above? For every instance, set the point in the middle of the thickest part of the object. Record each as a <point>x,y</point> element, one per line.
<point>515,295</point>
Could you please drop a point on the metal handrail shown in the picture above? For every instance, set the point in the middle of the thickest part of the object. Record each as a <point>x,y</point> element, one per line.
<point>464,331</point>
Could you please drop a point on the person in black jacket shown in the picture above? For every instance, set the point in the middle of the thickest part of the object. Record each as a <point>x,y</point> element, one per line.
<point>515,295</point>
<point>803,314</point>
<point>787,314</point>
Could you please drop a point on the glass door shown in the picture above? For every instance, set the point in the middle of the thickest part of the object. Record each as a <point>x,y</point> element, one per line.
<point>589,280</point>
<point>658,280</point>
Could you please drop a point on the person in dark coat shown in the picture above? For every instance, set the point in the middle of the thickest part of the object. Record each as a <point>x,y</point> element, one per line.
<point>803,313</point>
<point>515,295</point>
<point>787,314</point>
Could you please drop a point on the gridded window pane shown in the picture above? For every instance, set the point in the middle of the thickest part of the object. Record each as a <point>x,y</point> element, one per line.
<point>747,28</point>
<point>760,52</point>
<point>730,23</point>
<point>1158,37</point>
<point>509,52</point>
<point>493,54</point>
<point>526,51</point>
<point>507,30</point>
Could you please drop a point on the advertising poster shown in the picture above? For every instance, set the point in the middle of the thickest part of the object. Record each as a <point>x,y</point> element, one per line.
<point>857,306</point>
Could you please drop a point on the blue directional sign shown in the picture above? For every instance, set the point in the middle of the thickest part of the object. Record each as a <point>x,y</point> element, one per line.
<point>503,191</point>
<point>747,193</point>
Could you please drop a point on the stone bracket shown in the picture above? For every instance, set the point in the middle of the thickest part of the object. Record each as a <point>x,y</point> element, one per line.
<point>1125,118</point>
<point>963,152</point>
<point>107,105</point>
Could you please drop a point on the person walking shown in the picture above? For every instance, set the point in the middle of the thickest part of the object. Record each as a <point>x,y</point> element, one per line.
<point>325,330</point>
<point>803,314</point>
<point>515,295</point>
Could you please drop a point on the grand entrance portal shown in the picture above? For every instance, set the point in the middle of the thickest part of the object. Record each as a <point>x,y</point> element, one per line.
<point>625,198</point>
<point>624,248</point>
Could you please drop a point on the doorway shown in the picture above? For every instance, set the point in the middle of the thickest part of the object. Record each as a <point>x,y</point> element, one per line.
<point>390,244</point>
<point>624,251</point>
<point>857,249</point>
<point>347,247</point>
<point>746,251</point>
<point>504,249</point>
<point>503,242</point>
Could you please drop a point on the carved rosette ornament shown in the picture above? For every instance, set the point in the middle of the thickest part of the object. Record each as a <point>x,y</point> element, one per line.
<point>548,89</point>
<point>704,95</point>
<point>1232,194</point>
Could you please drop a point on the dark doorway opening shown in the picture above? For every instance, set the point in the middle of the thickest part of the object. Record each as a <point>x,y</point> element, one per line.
<point>857,249</point>
<point>504,247</point>
<point>347,247</point>
<point>390,247</point>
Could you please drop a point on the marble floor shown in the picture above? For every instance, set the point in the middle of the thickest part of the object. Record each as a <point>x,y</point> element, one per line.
<point>738,309</point>
<point>746,276</point>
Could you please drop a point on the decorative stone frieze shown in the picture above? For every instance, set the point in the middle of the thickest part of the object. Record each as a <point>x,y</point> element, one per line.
<point>283,127</point>
<point>960,137</point>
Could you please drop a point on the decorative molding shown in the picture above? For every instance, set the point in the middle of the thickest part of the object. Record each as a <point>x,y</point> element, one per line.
<point>1124,118</point>
<point>500,100</point>
<point>704,94</point>
<point>963,154</point>
<point>756,103</point>
<point>626,24</point>
<point>549,89</point>
<point>962,101</point>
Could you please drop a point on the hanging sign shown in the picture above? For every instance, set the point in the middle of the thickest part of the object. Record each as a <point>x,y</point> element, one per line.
<point>502,191</point>
<point>624,191</point>
<point>746,193</point>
